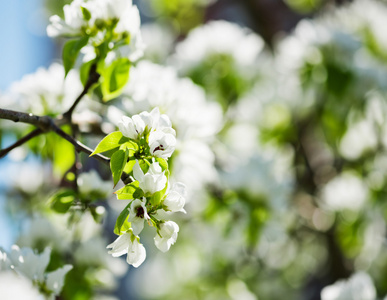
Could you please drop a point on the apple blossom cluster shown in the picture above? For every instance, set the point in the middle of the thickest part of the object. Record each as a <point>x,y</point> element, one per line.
<point>107,25</point>
<point>142,148</point>
<point>196,120</point>
<point>31,266</point>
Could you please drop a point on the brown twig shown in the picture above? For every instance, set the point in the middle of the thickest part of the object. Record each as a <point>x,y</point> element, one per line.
<point>46,124</point>
<point>93,78</point>
<point>32,134</point>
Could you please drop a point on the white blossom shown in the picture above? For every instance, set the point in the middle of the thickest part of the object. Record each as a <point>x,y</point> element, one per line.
<point>195,119</point>
<point>137,214</point>
<point>132,127</point>
<point>14,287</point>
<point>129,244</point>
<point>151,118</point>
<point>359,138</point>
<point>166,236</point>
<point>358,287</point>
<point>55,279</point>
<point>219,37</point>
<point>346,191</point>
<point>122,13</point>
<point>5,263</point>
<point>162,144</point>
<point>175,199</point>
<point>73,21</point>
<point>89,182</point>
<point>46,91</point>
<point>151,182</point>
<point>28,263</point>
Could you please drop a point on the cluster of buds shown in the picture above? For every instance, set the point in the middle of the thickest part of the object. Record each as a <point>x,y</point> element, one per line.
<point>145,142</point>
<point>107,24</point>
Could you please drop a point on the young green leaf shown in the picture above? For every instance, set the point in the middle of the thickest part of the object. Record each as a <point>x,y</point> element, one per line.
<point>144,165</point>
<point>70,52</point>
<point>158,196</point>
<point>84,71</point>
<point>62,201</point>
<point>115,78</point>
<point>129,166</point>
<point>163,163</point>
<point>109,142</point>
<point>130,191</point>
<point>122,223</point>
<point>86,13</point>
<point>117,164</point>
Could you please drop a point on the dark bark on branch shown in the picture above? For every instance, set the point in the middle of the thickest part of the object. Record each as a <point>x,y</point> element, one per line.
<point>32,134</point>
<point>46,124</point>
<point>93,78</point>
<point>41,122</point>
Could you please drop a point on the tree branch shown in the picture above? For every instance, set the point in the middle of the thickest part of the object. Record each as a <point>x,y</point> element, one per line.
<point>79,147</point>
<point>32,134</point>
<point>93,78</point>
<point>45,124</point>
<point>41,122</point>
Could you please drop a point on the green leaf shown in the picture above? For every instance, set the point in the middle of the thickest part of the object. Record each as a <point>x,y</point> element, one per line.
<point>70,52</point>
<point>115,78</point>
<point>109,142</point>
<point>63,153</point>
<point>86,13</point>
<point>158,196</point>
<point>163,163</point>
<point>130,191</point>
<point>62,201</point>
<point>129,166</point>
<point>117,164</point>
<point>84,71</point>
<point>143,165</point>
<point>97,213</point>
<point>121,224</point>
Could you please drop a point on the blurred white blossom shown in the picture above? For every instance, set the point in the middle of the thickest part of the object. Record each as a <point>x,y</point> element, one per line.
<point>89,182</point>
<point>14,287</point>
<point>358,287</point>
<point>345,191</point>
<point>219,37</point>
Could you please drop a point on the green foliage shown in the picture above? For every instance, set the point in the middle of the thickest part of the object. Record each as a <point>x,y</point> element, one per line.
<point>163,163</point>
<point>64,155</point>
<point>183,15</point>
<point>129,192</point>
<point>115,77</point>
<point>122,225</point>
<point>62,200</point>
<point>84,71</point>
<point>117,164</point>
<point>219,75</point>
<point>111,141</point>
<point>70,52</point>
<point>304,6</point>
<point>156,198</point>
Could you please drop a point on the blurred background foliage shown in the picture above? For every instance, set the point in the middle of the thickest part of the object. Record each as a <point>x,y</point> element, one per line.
<point>297,200</point>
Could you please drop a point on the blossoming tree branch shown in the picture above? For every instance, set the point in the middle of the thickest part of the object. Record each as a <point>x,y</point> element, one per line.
<point>105,36</point>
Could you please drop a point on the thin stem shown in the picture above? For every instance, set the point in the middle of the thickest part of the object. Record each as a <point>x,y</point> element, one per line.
<point>32,134</point>
<point>93,78</point>
<point>16,116</point>
<point>79,147</point>
<point>46,124</point>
